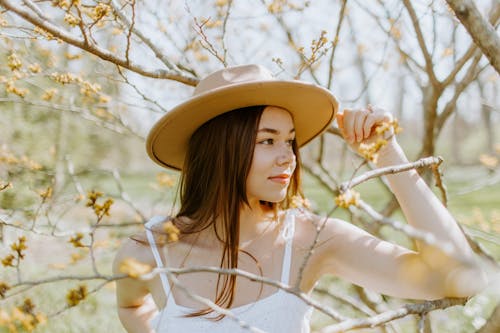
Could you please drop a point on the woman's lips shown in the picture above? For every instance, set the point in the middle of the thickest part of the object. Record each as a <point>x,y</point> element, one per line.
<point>281,179</point>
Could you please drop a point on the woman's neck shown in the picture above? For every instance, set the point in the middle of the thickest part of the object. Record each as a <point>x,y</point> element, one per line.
<point>255,221</point>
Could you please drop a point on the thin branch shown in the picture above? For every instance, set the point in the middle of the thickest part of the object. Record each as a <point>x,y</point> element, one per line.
<point>205,42</point>
<point>252,277</point>
<point>421,42</point>
<point>335,42</point>
<point>136,31</point>
<point>94,49</point>
<point>439,182</point>
<point>424,162</point>
<point>380,319</point>
<point>459,64</point>
<point>224,28</point>
<point>450,107</point>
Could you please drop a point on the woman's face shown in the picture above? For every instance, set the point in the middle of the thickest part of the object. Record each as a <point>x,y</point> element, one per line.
<point>273,160</point>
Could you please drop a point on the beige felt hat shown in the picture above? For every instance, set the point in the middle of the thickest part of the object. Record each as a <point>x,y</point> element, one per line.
<point>312,107</point>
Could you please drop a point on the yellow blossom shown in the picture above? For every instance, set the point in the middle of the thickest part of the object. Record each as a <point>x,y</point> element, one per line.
<point>100,11</point>
<point>200,56</point>
<point>14,62</point>
<point>60,3</point>
<point>104,99</point>
<point>488,161</point>
<point>447,52</point>
<point>3,288</point>
<point>77,240</point>
<point>172,231</point>
<point>369,151</point>
<point>134,268</point>
<point>71,20</point>
<point>276,6</point>
<point>88,89</point>
<point>12,89</point>
<point>99,210</point>
<point>8,260</point>
<point>75,296</point>
<point>70,56</point>
<point>395,32</point>
<point>47,35</point>
<point>348,198</point>
<point>116,31</point>
<point>65,78</point>
<point>19,246</point>
<point>49,94</point>
<point>165,180</point>
<point>213,24</point>
<point>300,202</point>
<point>76,257</point>
<point>35,68</point>
<point>46,194</point>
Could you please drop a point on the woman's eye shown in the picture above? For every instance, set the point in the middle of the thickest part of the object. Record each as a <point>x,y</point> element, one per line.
<point>267,141</point>
<point>290,142</point>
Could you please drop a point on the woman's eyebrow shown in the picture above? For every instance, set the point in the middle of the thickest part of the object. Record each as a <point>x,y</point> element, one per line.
<point>273,131</point>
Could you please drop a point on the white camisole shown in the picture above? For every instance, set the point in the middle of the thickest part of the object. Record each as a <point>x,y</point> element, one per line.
<point>280,312</point>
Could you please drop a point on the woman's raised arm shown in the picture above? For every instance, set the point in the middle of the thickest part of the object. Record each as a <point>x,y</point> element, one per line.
<point>428,272</point>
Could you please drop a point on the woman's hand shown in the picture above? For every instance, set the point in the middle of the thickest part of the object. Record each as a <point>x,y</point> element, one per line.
<point>365,126</point>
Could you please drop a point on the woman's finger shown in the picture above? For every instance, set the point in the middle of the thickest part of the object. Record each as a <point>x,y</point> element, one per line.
<point>359,121</point>
<point>349,122</point>
<point>340,121</point>
<point>377,117</point>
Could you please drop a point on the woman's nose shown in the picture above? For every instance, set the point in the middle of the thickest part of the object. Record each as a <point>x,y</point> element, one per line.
<point>285,155</point>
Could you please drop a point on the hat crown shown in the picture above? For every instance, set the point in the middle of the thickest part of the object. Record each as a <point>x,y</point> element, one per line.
<point>231,76</point>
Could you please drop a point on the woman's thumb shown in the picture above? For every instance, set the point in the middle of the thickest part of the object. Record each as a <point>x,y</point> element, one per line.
<point>340,120</point>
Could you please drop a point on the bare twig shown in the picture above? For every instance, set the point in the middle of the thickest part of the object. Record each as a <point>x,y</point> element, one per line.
<point>94,49</point>
<point>421,42</point>
<point>130,24</point>
<point>424,162</point>
<point>388,316</point>
<point>335,43</point>
<point>253,277</point>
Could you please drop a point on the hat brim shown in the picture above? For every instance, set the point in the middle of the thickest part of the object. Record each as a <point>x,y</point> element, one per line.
<point>312,108</point>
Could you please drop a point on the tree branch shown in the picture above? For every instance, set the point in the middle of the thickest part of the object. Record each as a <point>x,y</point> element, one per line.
<point>388,316</point>
<point>94,49</point>
<point>481,31</point>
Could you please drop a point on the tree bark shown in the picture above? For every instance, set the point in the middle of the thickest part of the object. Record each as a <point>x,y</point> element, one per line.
<point>481,31</point>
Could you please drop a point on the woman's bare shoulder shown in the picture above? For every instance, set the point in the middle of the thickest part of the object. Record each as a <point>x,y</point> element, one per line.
<point>312,228</point>
<point>135,247</point>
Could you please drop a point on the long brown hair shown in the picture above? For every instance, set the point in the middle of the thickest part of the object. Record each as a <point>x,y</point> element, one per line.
<point>213,186</point>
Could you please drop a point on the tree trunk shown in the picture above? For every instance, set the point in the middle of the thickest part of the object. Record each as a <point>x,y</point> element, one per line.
<point>430,101</point>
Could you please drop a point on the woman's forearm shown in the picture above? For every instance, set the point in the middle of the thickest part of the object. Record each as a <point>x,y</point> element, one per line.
<point>420,205</point>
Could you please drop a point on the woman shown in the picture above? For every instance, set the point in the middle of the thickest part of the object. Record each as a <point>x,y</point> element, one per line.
<point>236,142</point>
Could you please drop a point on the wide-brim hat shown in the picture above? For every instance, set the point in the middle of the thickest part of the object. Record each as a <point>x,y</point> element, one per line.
<point>312,107</point>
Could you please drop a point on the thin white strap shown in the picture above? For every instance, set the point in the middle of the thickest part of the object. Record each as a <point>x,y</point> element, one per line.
<point>288,233</point>
<point>155,220</point>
